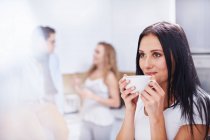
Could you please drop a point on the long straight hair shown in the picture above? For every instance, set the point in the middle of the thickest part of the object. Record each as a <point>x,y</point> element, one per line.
<point>110,61</point>
<point>183,82</point>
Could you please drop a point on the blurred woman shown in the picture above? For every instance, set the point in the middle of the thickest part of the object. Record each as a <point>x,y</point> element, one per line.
<point>99,92</point>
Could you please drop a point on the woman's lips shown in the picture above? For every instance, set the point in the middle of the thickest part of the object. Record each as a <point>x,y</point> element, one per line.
<point>150,73</point>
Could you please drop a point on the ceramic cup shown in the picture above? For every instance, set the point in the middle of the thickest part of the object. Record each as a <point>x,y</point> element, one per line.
<point>139,81</point>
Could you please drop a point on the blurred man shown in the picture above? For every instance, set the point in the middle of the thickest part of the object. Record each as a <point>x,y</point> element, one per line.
<point>27,109</point>
<point>44,54</point>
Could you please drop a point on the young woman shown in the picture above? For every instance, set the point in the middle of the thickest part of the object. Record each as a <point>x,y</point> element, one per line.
<point>99,93</point>
<point>173,105</point>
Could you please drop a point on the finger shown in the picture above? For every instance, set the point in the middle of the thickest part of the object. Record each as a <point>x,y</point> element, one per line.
<point>135,100</point>
<point>132,96</point>
<point>123,96</point>
<point>157,87</point>
<point>124,75</point>
<point>123,86</point>
<point>144,100</point>
<point>146,96</point>
<point>129,90</point>
<point>151,92</point>
<point>126,93</point>
<point>122,80</point>
<point>125,83</point>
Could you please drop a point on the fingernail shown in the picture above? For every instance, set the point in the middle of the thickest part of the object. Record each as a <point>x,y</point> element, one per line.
<point>151,82</point>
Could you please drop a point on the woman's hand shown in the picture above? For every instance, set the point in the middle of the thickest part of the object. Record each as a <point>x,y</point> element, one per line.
<point>85,93</point>
<point>153,99</point>
<point>76,81</point>
<point>129,98</point>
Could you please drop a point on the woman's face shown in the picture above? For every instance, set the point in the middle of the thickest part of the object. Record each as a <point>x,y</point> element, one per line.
<point>152,60</point>
<point>98,56</point>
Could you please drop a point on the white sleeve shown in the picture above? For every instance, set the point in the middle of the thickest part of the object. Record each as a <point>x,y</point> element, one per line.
<point>57,80</point>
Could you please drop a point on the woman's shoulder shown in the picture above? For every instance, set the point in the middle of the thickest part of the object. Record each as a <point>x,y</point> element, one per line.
<point>111,76</point>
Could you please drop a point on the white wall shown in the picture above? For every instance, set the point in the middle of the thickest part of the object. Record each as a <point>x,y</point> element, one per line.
<point>81,24</point>
<point>129,20</point>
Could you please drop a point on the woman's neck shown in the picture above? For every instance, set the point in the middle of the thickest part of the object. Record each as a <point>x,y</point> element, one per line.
<point>165,89</point>
<point>97,73</point>
<point>100,67</point>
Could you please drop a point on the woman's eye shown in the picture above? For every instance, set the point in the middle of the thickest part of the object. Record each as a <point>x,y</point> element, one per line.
<point>141,55</point>
<point>156,55</point>
<point>97,52</point>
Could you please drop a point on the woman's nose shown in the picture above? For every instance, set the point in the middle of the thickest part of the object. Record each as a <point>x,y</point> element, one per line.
<point>148,62</point>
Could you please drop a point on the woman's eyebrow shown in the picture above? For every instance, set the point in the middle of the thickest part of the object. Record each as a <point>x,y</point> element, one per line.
<point>157,50</point>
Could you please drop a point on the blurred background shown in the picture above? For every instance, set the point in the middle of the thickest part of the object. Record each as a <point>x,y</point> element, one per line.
<point>81,24</point>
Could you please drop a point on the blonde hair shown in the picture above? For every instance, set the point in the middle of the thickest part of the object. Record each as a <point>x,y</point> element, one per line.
<point>110,61</point>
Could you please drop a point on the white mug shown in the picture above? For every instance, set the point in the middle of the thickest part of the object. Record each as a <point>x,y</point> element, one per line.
<point>139,81</point>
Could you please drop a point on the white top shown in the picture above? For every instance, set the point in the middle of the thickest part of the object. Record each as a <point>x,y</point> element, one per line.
<point>173,122</point>
<point>93,111</point>
<point>21,82</point>
<point>55,72</point>
<point>22,85</point>
<point>32,82</point>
